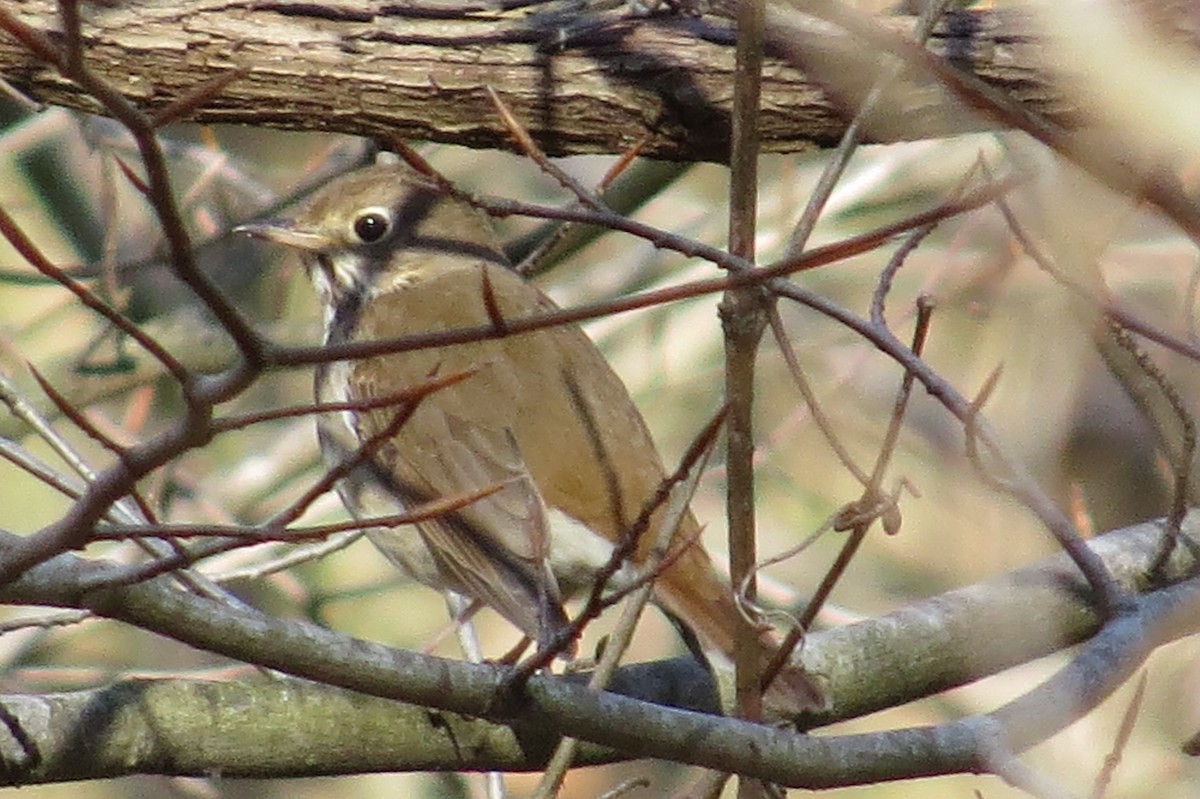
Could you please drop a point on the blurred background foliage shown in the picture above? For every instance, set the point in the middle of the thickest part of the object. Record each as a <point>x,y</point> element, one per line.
<point>1055,406</point>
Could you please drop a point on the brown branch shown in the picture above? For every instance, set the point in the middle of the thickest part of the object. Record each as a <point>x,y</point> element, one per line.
<point>419,76</point>
<point>743,319</point>
<point>258,534</point>
<point>742,276</point>
<point>12,232</point>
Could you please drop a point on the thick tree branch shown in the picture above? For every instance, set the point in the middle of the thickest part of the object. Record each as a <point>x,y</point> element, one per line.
<point>371,68</point>
<point>283,727</point>
<point>916,651</point>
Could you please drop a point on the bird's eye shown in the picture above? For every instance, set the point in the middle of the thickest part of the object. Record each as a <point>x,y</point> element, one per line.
<point>371,225</point>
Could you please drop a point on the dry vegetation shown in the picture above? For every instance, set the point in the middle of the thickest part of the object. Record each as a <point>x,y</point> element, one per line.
<point>1022,285</point>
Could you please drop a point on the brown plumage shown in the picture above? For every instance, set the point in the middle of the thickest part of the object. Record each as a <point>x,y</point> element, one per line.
<point>542,415</point>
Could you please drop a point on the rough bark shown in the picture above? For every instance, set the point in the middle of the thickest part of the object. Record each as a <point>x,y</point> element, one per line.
<point>422,70</point>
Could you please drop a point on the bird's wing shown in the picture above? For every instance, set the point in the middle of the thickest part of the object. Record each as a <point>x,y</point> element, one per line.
<point>494,548</point>
<point>475,457</point>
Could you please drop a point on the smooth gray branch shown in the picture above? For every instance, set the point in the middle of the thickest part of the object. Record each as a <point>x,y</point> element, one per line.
<point>916,651</point>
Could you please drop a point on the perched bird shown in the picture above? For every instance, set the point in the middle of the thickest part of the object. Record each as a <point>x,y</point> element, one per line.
<point>540,414</point>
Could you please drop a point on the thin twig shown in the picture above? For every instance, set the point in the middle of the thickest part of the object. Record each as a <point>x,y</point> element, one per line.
<point>529,147</point>
<point>1113,758</point>
<point>622,634</point>
<point>597,599</point>
<point>29,251</point>
<point>254,534</point>
<point>742,275</point>
<point>839,157</point>
<point>871,500</point>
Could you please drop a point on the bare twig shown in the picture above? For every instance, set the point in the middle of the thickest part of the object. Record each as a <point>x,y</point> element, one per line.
<point>743,319</point>
<point>597,599</point>
<point>618,641</point>
<point>851,136</point>
<point>1113,758</point>
<point>743,275</point>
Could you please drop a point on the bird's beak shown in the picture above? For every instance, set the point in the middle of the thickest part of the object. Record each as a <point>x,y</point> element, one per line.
<point>283,231</point>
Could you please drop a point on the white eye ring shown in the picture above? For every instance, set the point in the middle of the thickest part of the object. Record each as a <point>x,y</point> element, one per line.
<point>371,225</point>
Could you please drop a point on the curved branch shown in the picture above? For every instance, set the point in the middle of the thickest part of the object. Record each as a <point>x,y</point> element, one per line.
<point>916,651</point>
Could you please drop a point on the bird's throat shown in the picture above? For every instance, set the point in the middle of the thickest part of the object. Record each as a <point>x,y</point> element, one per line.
<point>344,284</point>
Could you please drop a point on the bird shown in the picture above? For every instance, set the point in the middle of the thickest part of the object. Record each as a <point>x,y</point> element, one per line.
<point>539,418</point>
